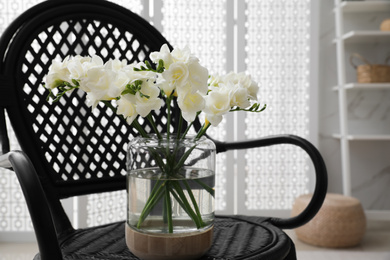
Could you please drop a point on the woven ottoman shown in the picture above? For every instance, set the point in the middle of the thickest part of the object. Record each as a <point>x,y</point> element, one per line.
<point>340,222</point>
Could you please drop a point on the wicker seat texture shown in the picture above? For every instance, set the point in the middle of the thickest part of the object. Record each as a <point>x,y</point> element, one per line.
<point>68,150</point>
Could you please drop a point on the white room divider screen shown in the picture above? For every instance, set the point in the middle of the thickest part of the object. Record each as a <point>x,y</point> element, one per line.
<point>268,39</point>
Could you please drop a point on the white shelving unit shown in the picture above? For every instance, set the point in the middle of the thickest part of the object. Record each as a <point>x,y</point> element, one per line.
<point>352,32</point>
<point>365,36</point>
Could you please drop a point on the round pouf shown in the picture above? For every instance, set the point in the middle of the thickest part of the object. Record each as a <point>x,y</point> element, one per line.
<point>340,222</point>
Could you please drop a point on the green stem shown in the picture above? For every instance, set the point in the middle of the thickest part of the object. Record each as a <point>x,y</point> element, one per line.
<point>194,203</point>
<point>149,209</point>
<point>155,188</point>
<point>168,208</point>
<point>183,206</point>
<point>164,212</point>
<point>203,130</point>
<point>170,159</point>
<point>189,127</point>
<point>62,89</point>
<point>186,204</point>
<point>134,124</point>
<point>191,214</point>
<point>154,197</point>
<point>180,126</point>
<point>108,104</point>
<point>139,128</point>
<point>183,159</point>
<point>151,120</point>
<point>169,99</point>
<point>206,187</point>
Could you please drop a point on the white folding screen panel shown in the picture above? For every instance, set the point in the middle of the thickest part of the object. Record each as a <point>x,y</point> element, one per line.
<point>278,57</point>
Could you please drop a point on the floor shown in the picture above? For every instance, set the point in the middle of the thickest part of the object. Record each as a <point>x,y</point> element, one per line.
<point>375,246</point>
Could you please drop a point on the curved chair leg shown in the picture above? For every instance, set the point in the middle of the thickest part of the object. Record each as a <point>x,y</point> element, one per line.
<point>36,202</point>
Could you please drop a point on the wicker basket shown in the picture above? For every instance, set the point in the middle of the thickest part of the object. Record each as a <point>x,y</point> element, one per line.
<point>371,73</point>
<point>340,222</point>
<point>385,25</point>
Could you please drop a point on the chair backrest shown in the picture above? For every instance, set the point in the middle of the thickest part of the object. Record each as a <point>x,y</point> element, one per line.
<point>75,150</point>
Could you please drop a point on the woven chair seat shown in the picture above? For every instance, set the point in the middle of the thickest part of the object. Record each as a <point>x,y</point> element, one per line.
<point>234,238</point>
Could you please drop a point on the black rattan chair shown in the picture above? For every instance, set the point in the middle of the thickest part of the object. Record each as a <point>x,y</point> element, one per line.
<point>67,150</point>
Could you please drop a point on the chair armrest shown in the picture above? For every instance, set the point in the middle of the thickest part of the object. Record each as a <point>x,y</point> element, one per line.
<point>36,202</point>
<point>320,171</point>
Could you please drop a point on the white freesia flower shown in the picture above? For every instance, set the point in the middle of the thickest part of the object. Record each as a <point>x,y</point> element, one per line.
<point>190,104</point>
<point>141,103</point>
<point>58,73</point>
<point>79,65</point>
<point>245,81</point>
<point>115,65</point>
<point>183,55</point>
<point>217,104</point>
<point>134,75</point>
<point>240,87</point>
<point>126,107</point>
<point>184,74</point>
<point>103,84</point>
<point>76,68</point>
<point>253,89</point>
<point>238,95</point>
<point>147,99</point>
<point>176,75</point>
<point>165,85</point>
<point>164,54</point>
<point>214,80</point>
<point>198,77</point>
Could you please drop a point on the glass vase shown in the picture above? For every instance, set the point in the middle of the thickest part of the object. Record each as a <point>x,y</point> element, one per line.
<point>170,191</point>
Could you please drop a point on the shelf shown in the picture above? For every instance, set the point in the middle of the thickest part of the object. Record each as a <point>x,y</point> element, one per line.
<point>364,137</point>
<point>365,6</point>
<point>367,86</point>
<point>357,30</point>
<point>366,37</point>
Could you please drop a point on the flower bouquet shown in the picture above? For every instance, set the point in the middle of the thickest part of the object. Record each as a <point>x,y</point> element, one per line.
<point>175,171</point>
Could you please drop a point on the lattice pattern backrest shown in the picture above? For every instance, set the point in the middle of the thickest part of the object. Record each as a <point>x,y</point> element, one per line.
<point>78,144</point>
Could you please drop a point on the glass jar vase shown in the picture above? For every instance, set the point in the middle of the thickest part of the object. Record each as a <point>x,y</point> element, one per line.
<point>170,191</point>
